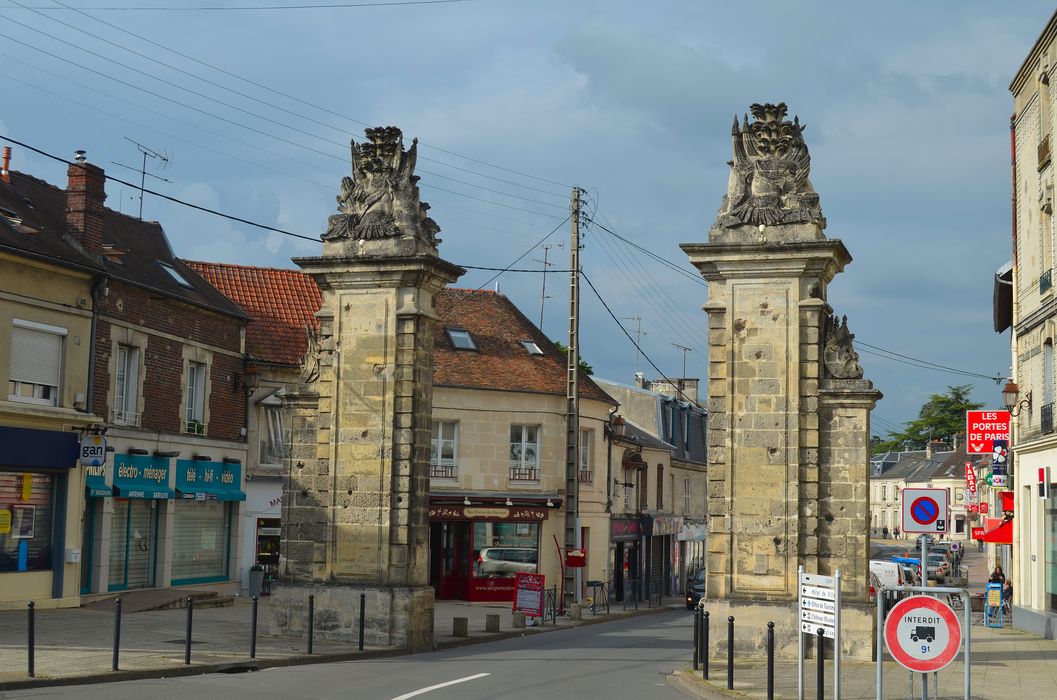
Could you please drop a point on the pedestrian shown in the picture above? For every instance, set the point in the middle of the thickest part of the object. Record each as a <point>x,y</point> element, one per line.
<point>1007,591</point>
<point>895,533</point>
<point>997,576</point>
<point>884,532</point>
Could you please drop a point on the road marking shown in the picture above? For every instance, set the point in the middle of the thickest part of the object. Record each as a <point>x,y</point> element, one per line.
<point>422,691</point>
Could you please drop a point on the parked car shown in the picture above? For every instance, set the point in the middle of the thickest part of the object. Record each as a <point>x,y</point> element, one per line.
<point>938,567</point>
<point>695,589</point>
<point>504,561</point>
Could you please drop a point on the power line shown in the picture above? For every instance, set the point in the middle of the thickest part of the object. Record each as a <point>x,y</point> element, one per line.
<point>995,378</point>
<point>238,8</point>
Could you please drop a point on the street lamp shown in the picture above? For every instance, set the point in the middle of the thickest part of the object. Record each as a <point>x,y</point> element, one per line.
<point>1010,396</point>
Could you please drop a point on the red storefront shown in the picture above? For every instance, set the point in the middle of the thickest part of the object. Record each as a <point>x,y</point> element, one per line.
<point>475,550</point>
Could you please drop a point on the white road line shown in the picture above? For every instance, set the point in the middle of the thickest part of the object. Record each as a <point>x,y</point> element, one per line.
<point>422,691</point>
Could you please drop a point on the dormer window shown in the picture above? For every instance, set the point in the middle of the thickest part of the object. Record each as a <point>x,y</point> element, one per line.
<point>177,277</point>
<point>531,346</point>
<point>461,339</point>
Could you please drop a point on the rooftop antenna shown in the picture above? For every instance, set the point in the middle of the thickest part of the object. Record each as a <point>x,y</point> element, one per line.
<point>682,380</point>
<point>638,337</point>
<point>543,295</point>
<point>147,152</point>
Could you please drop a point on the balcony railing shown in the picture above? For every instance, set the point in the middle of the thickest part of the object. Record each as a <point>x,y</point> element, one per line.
<point>519,472</point>
<point>1046,419</point>
<point>195,427</point>
<point>443,470</point>
<point>1044,152</point>
<point>587,476</point>
<point>121,417</point>
<point>1045,281</point>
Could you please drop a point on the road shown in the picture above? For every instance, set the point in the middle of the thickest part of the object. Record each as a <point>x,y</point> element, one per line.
<point>626,658</point>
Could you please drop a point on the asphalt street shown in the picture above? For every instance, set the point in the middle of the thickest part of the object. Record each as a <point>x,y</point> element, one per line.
<point>625,658</point>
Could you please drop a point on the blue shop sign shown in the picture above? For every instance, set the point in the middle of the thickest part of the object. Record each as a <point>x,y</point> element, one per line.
<point>209,481</point>
<point>95,482</point>
<point>141,476</point>
<point>28,447</point>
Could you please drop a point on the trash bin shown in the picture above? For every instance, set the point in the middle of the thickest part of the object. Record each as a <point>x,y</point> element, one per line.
<point>256,580</point>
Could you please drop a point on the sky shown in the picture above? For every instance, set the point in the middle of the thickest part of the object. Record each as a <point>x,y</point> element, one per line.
<point>515,102</point>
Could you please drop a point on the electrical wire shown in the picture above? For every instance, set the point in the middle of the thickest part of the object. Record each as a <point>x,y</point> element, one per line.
<point>238,8</point>
<point>995,378</point>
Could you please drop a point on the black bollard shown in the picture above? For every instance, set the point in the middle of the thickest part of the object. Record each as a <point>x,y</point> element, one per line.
<point>31,630</point>
<point>704,645</point>
<point>187,641</point>
<point>770,661</point>
<point>730,653</point>
<point>253,630</point>
<point>363,613</point>
<point>117,634</point>
<point>697,636</point>
<point>311,619</point>
<point>820,667</point>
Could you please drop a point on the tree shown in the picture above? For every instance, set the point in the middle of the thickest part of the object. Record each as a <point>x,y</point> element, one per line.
<point>940,418</point>
<point>584,367</point>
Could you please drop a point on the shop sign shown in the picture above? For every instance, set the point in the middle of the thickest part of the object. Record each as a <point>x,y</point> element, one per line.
<point>208,481</point>
<point>625,529</point>
<point>95,482</point>
<point>93,450</point>
<point>141,476</point>
<point>515,513</point>
<point>665,525</point>
<point>528,594</point>
<point>5,521</point>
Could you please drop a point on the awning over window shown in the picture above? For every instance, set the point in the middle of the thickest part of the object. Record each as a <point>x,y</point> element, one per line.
<point>999,534</point>
<point>1002,300</point>
<point>141,476</point>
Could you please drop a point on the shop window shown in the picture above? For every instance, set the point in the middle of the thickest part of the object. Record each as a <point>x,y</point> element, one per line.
<point>126,386</point>
<point>586,474</point>
<point>27,505</point>
<point>36,363</point>
<point>504,549</point>
<point>443,447</point>
<point>524,452</point>
<point>272,447</point>
<point>196,389</point>
<point>201,540</point>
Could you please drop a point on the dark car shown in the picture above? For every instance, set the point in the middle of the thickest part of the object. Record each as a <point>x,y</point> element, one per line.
<point>695,588</point>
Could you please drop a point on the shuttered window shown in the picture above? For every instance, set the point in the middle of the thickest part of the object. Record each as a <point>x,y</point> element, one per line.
<point>200,541</point>
<point>36,362</point>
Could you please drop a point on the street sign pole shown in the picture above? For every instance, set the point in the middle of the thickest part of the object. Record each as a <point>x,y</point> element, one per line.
<point>836,641</point>
<point>799,634</point>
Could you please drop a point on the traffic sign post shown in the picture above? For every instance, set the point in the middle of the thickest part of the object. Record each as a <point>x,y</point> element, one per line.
<point>925,510</point>
<point>818,608</point>
<point>923,634</point>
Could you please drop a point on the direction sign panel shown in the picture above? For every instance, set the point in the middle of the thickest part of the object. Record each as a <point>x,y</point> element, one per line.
<point>924,510</point>
<point>922,633</point>
<point>812,629</point>
<point>982,428</point>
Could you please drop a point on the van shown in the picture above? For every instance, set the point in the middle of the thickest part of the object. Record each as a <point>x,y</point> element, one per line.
<point>887,573</point>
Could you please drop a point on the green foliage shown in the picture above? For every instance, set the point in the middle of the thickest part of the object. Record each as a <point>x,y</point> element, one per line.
<point>940,418</point>
<point>584,367</point>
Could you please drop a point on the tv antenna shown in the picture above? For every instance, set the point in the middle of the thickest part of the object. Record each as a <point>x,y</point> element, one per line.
<point>638,337</point>
<point>147,153</point>
<point>543,294</point>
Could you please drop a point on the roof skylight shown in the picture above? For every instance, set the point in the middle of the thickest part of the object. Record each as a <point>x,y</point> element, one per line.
<point>531,346</point>
<point>177,277</point>
<point>461,339</point>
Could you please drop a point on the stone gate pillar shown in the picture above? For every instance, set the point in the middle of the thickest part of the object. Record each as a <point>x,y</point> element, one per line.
<point>355,506</point>
<point>788,427</point>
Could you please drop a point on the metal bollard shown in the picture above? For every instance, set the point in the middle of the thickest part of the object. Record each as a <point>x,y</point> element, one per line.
<point>187,641</point>
<point>730,653</point>
<point>697,635</point>
<point>820,666</point>
<point>770,661</point>
<point>311,619</point>
<point>363,613</point>
<point>704,645</point>
<point>253,630</point>
<point>117,634</point>
<point>31,631</point>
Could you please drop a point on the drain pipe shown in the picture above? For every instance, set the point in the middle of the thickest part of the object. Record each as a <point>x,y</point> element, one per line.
<point>99,290</point>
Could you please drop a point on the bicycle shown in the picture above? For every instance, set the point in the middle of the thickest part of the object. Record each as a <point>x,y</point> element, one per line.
<point>955,601</point>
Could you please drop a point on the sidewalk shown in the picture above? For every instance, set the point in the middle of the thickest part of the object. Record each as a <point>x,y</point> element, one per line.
<point>76,645</point>
<point>1004,663</point>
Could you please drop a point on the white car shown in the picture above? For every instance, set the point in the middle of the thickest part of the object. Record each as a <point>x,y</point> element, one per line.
<point>504,561</point>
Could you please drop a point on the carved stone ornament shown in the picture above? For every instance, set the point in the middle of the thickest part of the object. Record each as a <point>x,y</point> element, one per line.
<point>381,199</point>
<point>769,174</point>
<point>838,353</point>
<point>311,360</point>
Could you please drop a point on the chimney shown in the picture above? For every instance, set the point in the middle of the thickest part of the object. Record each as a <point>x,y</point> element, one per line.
<point>5,176</point>
<point>640,380</point>
<point>84,204</point>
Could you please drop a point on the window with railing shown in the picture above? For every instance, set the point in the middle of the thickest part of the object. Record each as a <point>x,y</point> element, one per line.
<point>194,418</point>
<point>524,452</point>
<point>586,474</point>
<point>442,450</point>
<point>126,385</point>
<point>1044,151</point>
<point>1046,281</point>
<point>1046,418</point>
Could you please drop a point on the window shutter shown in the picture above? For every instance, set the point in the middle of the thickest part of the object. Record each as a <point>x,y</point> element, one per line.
<point>35,356</point>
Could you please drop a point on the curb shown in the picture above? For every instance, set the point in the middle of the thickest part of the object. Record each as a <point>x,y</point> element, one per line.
<point>302,659</point>
<point>685,682</point>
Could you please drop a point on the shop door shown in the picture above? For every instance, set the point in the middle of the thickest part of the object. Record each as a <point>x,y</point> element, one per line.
<point>454,562</point>
<point>87,535</point>
<point>656,572</point>
<point>131,543</point>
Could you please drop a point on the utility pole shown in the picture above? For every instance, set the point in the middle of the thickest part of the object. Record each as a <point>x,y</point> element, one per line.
<point>543,295</point>
<point>682,377</point>
<point>572,408</point>
<point>638,337</point>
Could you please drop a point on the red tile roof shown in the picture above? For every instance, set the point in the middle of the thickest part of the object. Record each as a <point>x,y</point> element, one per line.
<point>283,305</point>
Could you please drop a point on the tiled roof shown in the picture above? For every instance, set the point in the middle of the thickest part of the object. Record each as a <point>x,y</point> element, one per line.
<point>42,233</point>
<point>281,303</point>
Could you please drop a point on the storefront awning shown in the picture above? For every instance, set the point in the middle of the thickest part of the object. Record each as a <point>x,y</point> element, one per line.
<point>95,485</point>
<point>1000,534</point>
<point>141,476</point>
<point>209,481</point>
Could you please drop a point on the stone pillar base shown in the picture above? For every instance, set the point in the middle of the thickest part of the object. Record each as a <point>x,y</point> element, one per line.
<point>858,634</point>
<point>396,616</point>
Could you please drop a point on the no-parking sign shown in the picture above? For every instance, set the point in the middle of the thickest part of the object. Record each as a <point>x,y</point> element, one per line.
<point>922,633</point>
<point>925,510</point>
